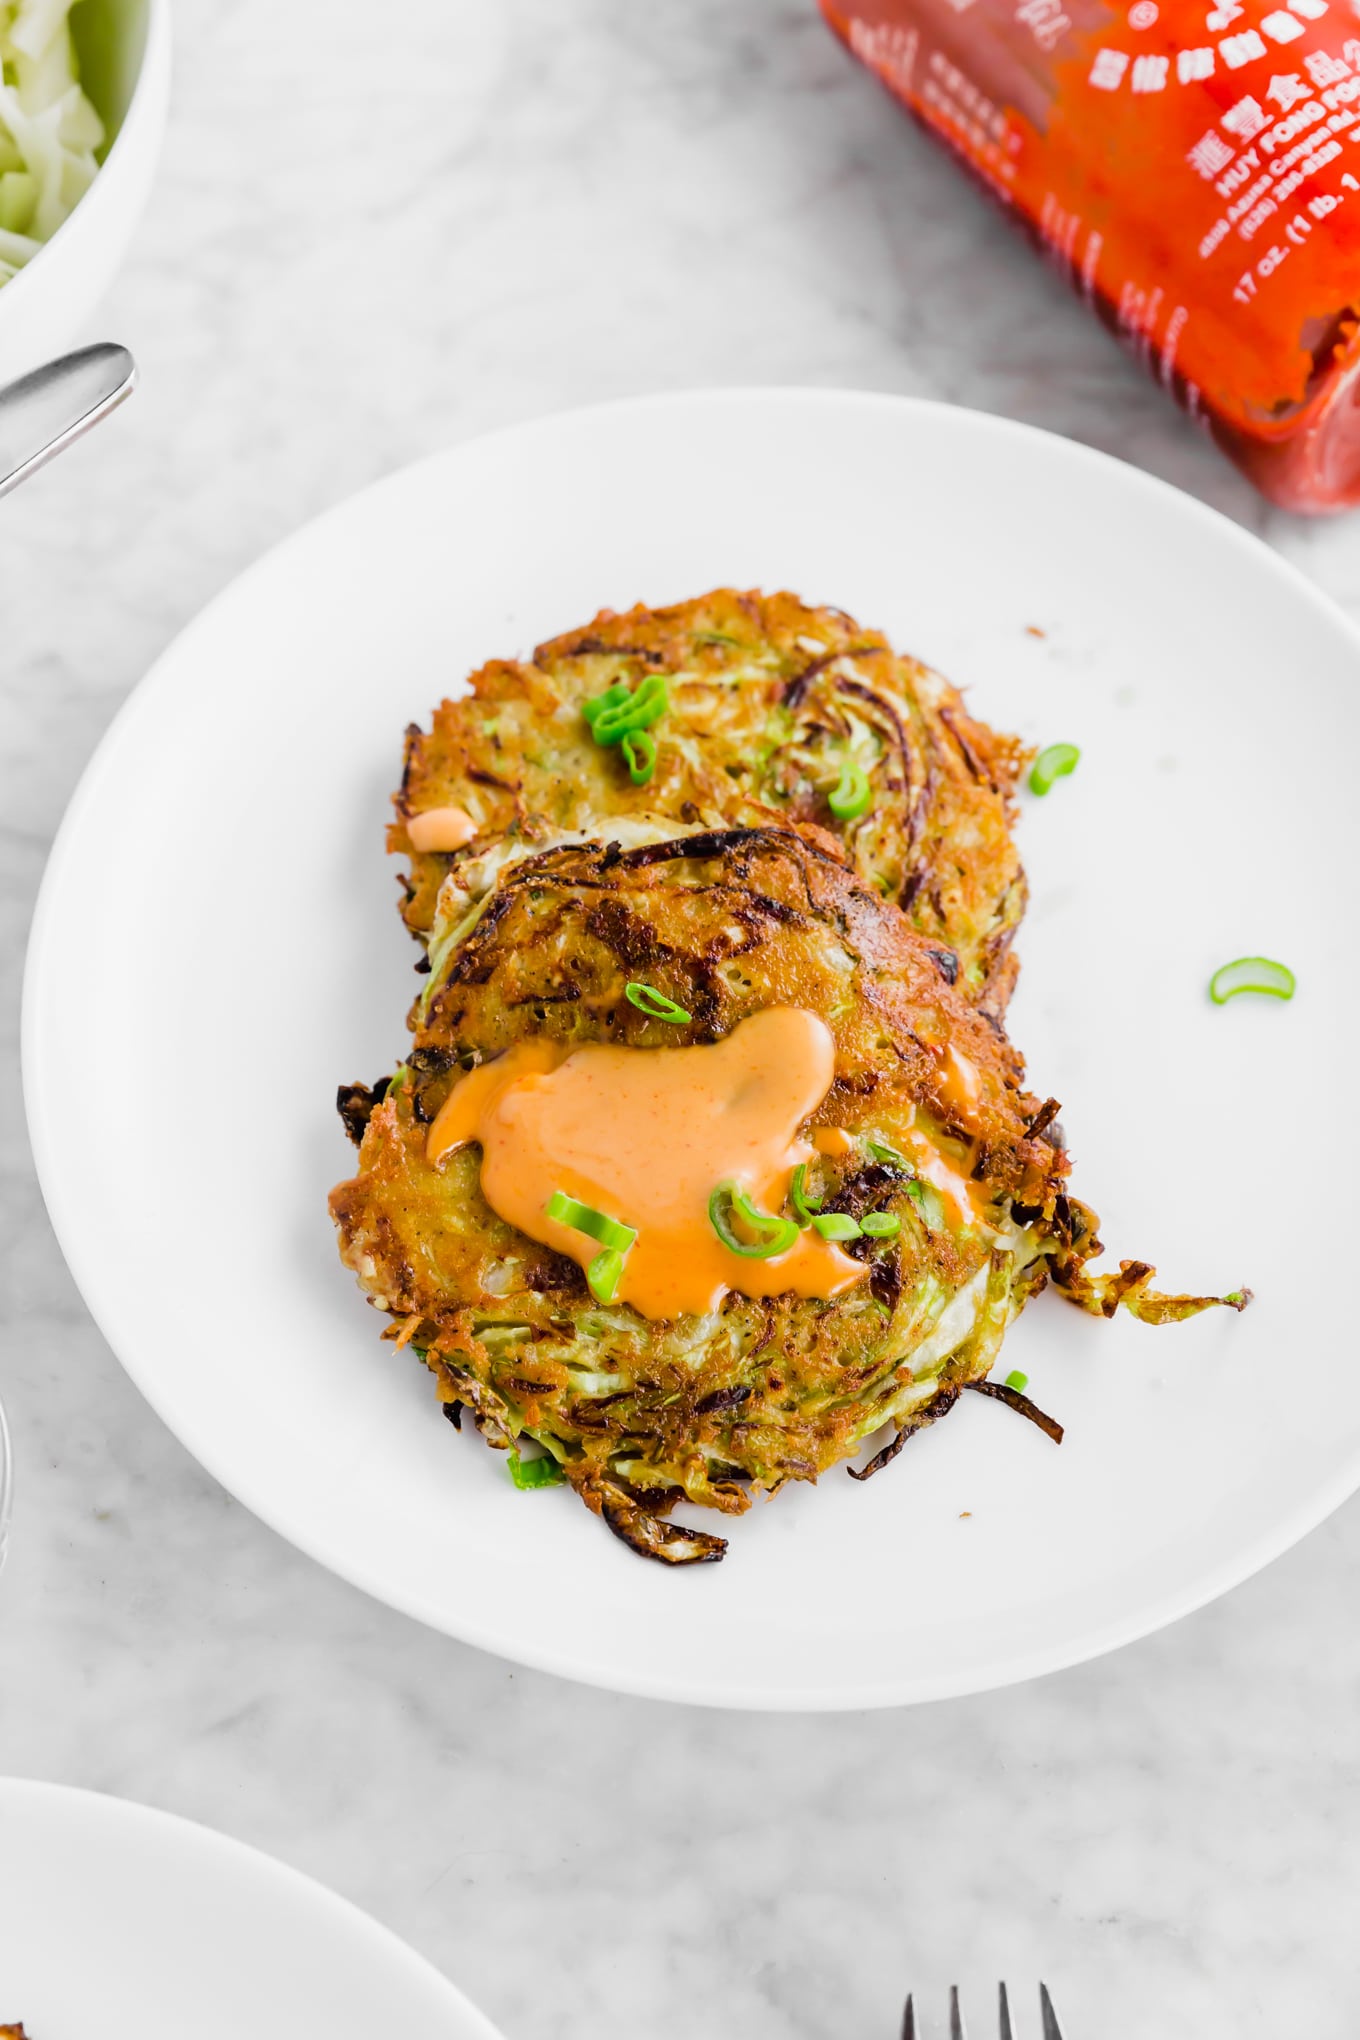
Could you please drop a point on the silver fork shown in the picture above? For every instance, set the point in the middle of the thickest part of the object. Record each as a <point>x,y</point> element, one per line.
<point>957,2031</point>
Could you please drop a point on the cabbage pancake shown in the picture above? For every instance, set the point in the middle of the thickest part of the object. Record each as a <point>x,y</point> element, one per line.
<point>770,708</point>
<point>939,1178</point>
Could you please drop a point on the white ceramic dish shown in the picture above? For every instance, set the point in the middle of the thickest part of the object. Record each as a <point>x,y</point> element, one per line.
<point>6,1483</point>
<point>219,906</point>
<point>128,1924</point>
<point>124,48</point>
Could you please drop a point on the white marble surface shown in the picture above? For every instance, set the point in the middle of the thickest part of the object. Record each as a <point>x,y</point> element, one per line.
<point>378,229</point>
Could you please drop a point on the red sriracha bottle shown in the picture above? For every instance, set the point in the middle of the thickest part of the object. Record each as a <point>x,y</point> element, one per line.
<point>1195,170</point>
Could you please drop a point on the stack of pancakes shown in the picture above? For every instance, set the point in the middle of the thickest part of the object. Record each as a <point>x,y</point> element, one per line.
<point>726,881</point>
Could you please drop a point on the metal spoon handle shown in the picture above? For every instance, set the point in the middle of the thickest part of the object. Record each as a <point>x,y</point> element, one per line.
<point>52,405</point>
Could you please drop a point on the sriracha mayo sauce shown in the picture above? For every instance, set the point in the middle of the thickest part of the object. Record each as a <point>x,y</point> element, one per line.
<point>1194,169</point>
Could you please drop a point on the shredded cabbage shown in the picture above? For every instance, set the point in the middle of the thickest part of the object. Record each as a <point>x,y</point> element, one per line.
<point>49,131</point>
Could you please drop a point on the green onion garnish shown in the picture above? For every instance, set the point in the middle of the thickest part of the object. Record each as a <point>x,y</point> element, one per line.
<point>1051,764</point>
<point>615,1239</point>
<point>851,795</point>
<point>611,698</point>
<point>804,1205</point>
<point>926,1198</point>
<point>583,1218</point>
<point>882,1152</point>
<point>618,713</point>
<point>639,755</point>
<point>774,1235</point>
<point>603,1274</point>
<point>530,1473</point>
<point>1251,974</point>
<point>835,1225</point>
<point>1018,1381</point>
<point>880,1225</point>
<point>655,1004</point>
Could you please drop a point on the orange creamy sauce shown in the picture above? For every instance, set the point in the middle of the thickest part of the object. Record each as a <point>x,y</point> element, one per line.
<point>960,1088</point>
<point>644,1135</point>
<point>960,1085</point>
<point>440,828</point>
<point>964,1201</point>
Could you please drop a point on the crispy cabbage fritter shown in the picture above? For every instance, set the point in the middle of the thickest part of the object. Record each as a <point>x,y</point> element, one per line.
<point>718,1408</point>
<point>769,700</point>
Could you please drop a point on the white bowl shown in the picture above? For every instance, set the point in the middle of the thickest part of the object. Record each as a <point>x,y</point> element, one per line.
<point>124,52</point>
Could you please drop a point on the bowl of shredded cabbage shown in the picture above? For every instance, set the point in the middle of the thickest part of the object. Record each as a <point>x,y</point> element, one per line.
<point>84,87</point>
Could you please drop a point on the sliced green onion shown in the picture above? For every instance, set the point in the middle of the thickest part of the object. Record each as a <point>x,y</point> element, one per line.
<point>1055,762</point>
<point>639,755</point>
<point>611,698</point>
<point>531,1473</point>
<point>835,1225</point>
<point>1018,1381</point>
<point>1251,974</point>
<point>882,1152</point>
<point>851,796</point>
<point>804,1205</point>
<point>655,1004</point>
<point>926,1198</point>
<point>880,1225</point>
<point>603,1274</point>
<point>774,1235</point>
<point>615,1239</point>
<point>614,719</point>
<point>1236,1297</point>
<point>583,1218</point>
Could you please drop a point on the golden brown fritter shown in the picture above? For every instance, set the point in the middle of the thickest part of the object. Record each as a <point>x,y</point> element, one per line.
<point>768,702</point>
<point>639,1414</point>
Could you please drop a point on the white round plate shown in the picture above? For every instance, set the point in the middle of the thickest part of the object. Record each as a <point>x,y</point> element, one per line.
<point>217,946</point>
<point>128,1924</point>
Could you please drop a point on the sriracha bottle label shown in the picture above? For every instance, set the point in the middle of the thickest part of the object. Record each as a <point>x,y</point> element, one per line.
<point>1194,169</point>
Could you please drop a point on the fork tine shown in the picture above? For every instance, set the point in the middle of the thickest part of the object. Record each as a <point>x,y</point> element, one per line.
<point>957,2029</point>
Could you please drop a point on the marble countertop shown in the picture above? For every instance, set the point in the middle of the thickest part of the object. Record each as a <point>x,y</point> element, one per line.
<point>381,229</point>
